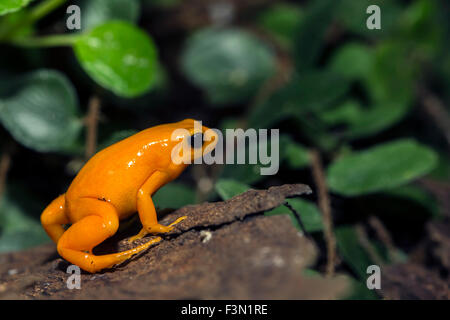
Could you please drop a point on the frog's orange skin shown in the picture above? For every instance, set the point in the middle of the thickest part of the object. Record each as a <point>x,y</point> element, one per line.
<point>114,184</point>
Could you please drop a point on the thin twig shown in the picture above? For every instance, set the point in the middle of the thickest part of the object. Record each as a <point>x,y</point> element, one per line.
<point>91,126</point>
<point>437,112</point>
<point>325,207</point>
<point>299,219</point>
<point>5,164</point>
<point>384,236</point>
<point>365,243</point>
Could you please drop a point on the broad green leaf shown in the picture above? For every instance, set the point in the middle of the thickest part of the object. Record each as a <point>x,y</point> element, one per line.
<point>18,230</point>
<point>361,122</point>
<point>352,252</point>
<point>353,61</point>
<point>391,79</point>
<point>379,168</point>
<point>422,27</point>
<point>309,92</point>
<point>154,99</point>
<point>228,188</point>
<point>318,89</point>
<point>174,195</point>
<point>8,6</point>
<point>352,16</point>
<point>98,12</point>
<point>14,19</point>
<point>310,36</point>
<point>282,20</point>
<point>40,110</point>
<point>308,211</point>
<point>347,113</point>
<point>228,64</point>
<point>119,56</point>
<point>376,119</point>
<point>296,155</point>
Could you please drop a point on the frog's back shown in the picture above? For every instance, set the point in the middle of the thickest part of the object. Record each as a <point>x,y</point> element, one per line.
<point>117,172</point>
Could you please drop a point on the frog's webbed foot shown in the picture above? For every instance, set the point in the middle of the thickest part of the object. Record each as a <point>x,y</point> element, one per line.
<point>155,229</point>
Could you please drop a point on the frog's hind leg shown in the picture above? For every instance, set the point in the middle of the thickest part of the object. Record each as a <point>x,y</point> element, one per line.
<point>54,217</point>
<point>98,220</point>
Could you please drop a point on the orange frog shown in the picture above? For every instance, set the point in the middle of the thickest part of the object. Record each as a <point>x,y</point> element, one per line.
<point>113,185</point>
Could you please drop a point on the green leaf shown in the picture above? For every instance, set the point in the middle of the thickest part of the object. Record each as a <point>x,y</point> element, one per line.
<point>352,252</point>
<point>352,16</point>
<point>228,188</point>
<point>98,12</point>
<point>352,60</point>
<point>348,112</point>
<point>229,64</point>
<point>308,211</point>
<point>296,155</point>
<point>309,92</point>
<point>310,36</point>
<point>361,122</point>
<point>174,195</point>
<point>282,20</point>
<point>15,19</point>
<point>119,56</point>
<point>8,6</point>
<point>18,230</point>
<point>422,28</point>
<point>379,168</point>
<point>40,110</point>
<point>391,79</point>
<point>376,119</point>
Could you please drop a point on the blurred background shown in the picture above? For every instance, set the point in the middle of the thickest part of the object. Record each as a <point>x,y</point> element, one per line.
<point>363,113</point>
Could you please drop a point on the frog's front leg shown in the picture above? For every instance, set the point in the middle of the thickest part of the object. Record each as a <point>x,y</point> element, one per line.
<point>146,208</point>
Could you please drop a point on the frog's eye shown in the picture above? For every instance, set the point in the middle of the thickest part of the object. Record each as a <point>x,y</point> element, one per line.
<point>196,140</point>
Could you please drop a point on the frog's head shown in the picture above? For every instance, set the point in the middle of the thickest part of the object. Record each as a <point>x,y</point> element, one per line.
<point>191,141</point>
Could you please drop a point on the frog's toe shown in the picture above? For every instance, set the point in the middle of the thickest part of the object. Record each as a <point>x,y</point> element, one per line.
<point>177,222</point>
<point>140,235</point>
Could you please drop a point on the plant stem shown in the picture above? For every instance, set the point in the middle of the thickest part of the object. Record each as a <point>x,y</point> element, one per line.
<point>47,41</point>
<point>91,126</point>
<point>43,9</point>
<point>384,236</point>
<point>325,207</point>
<point>365,243</point>
<point>33,15</point>
<point>5,164</point>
